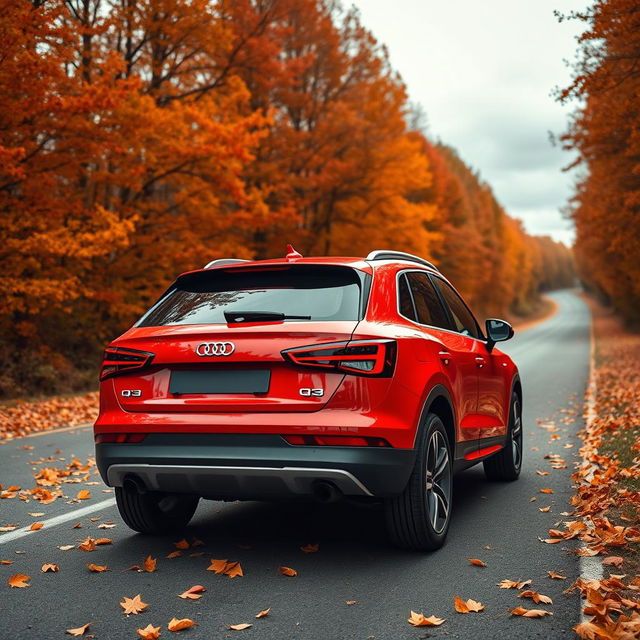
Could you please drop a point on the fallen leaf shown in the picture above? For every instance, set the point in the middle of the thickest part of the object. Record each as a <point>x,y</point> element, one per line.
<point>19,580</point>
<point>233,570</point>
<point>420,620</point>
<point>217,566</point>
<point>6,561</point>
<point>85,494</point>
<point>181,544</point>
<point>88,544</point>
<point>263,613</point>
<point>97,568</point>
<point>462,606</point>
<point>106,525</point>
<point>546,490</point>
<point>310,548</point>
<point>150,564</point>
<point>590,631</point>
<point>179,625</point>
<point>542,473</point>
<point>149,632</point>
<point>39,514</point>
<point>9,527</point>
<point>556,576</point>
<point>193,593</point>
<point>476,562</point>
<point>133,605</point>
<point>551,540</point>
<point>77,525</point>
<point>544,509</point>
<point>536,597</point>
<point>79,631</point>
<point>239,627</point>
<point>530,613</point>
<point>174,554</point>
<point>511,584</point>
<point>50,568</point>
<point>350,603</point>
<point>66,547</point>
<point>36,526</point>
<point>101,541</point>
<point>615,561</point>
<point>288,571</point>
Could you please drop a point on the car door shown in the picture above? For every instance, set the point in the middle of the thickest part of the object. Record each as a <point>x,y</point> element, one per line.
<point>491,418</point>
<point>457,357</point>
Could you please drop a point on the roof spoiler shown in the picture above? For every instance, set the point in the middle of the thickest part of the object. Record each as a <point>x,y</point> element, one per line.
<point>223,262</point>
<point>384,254</point>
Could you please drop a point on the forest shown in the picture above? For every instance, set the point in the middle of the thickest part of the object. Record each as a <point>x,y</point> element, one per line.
<point>604,132</point>
<point>142,138</point>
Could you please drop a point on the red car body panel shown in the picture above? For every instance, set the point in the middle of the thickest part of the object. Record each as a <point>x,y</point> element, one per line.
<point>479,383</point>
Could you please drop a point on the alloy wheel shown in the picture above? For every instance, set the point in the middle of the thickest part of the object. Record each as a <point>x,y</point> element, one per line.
<point>438,481</point>
<point>516,435</point>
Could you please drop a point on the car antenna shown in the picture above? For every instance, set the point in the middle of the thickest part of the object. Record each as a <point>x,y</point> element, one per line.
<point>293,254</point>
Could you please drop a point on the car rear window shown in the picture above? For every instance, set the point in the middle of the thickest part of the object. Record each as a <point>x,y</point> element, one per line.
<point>320,292</point>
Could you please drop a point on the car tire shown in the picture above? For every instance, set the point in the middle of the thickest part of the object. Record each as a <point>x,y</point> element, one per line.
<point>153,512</point>
<point>419,517</point>
<point>505,465</point>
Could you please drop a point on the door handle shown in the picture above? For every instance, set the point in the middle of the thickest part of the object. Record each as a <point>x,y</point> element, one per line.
<point>445,356</point>
<point>480,361</point>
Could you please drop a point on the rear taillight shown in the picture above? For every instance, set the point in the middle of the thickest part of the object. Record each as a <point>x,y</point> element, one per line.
<point>359,357</point>
<point>337,441</point>
<point>120,359</point>
<point>119,438</point>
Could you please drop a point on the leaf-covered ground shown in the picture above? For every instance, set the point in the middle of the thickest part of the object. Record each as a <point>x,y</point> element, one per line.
<point>25,417</point>
<point>607,498</point>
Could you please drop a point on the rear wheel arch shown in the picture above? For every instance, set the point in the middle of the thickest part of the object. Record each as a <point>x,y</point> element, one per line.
<point>516,387</point>
<point>439,402</point>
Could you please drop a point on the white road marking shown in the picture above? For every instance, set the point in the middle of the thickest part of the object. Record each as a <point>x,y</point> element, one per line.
<point>590,566</point>
<point>56,520</point>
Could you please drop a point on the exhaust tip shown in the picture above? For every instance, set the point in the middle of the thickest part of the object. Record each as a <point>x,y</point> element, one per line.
<point>324,491</point>
<point>134,484</point>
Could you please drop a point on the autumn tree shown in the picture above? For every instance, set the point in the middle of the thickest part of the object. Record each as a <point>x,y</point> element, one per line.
<point>141,138</point>
<point>605,133</point>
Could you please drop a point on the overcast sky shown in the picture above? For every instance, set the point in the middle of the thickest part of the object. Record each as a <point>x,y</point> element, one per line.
<point>483,70</point>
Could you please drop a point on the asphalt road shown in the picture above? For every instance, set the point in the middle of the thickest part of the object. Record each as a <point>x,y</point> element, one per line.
<point>497,523</point>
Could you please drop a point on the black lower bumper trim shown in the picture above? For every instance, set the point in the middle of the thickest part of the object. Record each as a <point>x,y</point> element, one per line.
<point>253,466</point>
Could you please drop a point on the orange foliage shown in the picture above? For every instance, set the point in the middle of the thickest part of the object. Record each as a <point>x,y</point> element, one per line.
<point>605,133</point>
<point>141,139</point>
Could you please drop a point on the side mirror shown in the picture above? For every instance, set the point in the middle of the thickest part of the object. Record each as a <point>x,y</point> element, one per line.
<point>497,331</point>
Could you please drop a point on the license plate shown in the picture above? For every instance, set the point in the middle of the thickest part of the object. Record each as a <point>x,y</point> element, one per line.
<point>226,382</point>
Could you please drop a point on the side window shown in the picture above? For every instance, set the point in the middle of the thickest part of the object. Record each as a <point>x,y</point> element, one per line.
<point>404,299</point>
<point>428,305</point>
<point>463,320</point>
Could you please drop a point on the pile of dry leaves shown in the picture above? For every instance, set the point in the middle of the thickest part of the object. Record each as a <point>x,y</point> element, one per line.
<point>42,415</point>
<point>607,500</point>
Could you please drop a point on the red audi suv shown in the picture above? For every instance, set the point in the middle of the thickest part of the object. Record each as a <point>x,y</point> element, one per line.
<point>313,378</point>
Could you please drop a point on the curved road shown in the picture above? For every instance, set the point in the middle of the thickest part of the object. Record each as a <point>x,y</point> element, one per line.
<point>498,523</point>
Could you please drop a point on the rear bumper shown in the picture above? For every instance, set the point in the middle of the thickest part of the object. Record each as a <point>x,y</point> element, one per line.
<point>253,466</point>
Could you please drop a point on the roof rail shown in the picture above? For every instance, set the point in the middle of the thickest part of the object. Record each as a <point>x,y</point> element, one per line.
<point>221,262</point>
<point>384,254</point>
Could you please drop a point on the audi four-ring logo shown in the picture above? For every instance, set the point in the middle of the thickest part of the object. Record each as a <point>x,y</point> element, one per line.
<point>215,349</point>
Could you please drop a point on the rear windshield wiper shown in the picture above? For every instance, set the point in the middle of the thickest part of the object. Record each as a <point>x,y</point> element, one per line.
<point>259,316</point>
